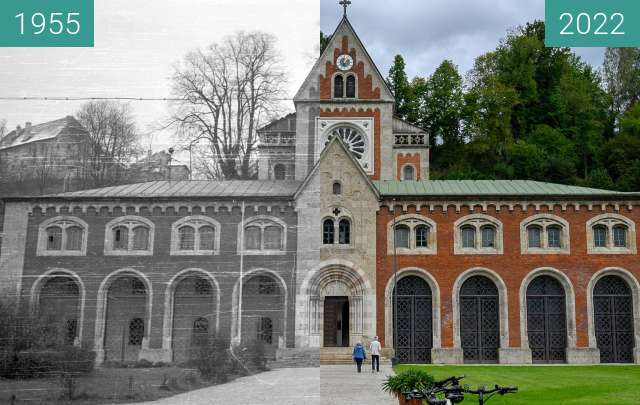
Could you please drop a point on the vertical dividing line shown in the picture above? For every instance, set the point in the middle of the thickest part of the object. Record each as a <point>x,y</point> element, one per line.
<point>395,284</point>
<point>241,242</point>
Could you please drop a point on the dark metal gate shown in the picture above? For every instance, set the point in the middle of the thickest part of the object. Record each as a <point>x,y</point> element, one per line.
<point>613,316</point>
<point>547,320</point>
<point>414,321</point>
<point>479,320</point>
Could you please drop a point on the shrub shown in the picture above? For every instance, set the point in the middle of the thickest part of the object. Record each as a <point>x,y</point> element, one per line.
<point>407,381</point>
<point>215,362</point>
<point>253,355</point>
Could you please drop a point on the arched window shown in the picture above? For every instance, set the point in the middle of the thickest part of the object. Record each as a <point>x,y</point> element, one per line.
<point>478,234</point>
<point>265,330</point>
<point>408,173</point>
<point>54,238</point>
<point>129,235</point>
<point>200,332</point>
<point>611,234</point>
<point>62,236</point>
<point>279,172</point>
<point>422,236</point>
<point>195,235</point>
<point>264,235</point>
<point>534,235</point>
<point>620,236</point>
<point>402,236</point>
<point>338,86</point>
<point>337,188</point>
<point>554,236</point>
<point>351,86</point>
<point>328,232</point>
<point>488,236</point>
<point>136,331</point>
<point>544,234</point>
<point>468,237</point>
<point>344,232</point>
<point>187,237</point>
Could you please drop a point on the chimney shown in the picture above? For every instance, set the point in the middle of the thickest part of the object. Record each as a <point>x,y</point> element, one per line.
<point>27,125</point>
<point>18,128</point>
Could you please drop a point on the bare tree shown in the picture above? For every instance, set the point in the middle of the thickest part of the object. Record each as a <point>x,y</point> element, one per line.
<point>43,169</point>
<point>113,141</point>
<point>3,128</point>
<point>227,91</point>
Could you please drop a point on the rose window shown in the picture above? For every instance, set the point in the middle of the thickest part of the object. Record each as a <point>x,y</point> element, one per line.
<point>352,138</point>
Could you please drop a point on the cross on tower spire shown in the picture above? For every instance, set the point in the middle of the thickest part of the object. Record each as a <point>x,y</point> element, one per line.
<point>345,4</point>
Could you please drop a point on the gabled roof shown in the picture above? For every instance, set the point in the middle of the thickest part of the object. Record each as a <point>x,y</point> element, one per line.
<point>405,127</point>
<point>344,23</point>
<point>185,189</point>
<point>274,125</point>
<point>491,188</point>
<point>337,140</point>
<point>41,132</point>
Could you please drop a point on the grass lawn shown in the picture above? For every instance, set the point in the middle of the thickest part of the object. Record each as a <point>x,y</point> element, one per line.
<point>557,385</point>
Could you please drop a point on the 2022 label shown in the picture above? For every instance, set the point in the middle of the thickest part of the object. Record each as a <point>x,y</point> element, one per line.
<point>46,23</point>
<point>592,23</point>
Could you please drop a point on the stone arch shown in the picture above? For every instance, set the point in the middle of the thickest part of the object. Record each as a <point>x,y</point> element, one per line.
<point>388,304</point>
<point>570,298</point>
<point>502,301</point>
<point>36,288</point>
<point>339,278</point>
<point>101,308</point>
<point>167,324</point>
<point>633,284</point>
<point>236,318</point>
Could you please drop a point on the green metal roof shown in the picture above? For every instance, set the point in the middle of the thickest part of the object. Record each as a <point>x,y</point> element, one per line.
<point>498,188</point>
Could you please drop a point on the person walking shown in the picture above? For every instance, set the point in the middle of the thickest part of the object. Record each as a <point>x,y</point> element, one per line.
<point>359,355</point>
<point>374,349</point>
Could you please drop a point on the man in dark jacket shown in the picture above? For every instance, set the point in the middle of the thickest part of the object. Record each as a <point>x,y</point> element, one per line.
<point>359,355</point>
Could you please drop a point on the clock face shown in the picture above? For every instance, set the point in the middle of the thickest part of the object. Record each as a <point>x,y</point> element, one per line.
<point>344,62</point>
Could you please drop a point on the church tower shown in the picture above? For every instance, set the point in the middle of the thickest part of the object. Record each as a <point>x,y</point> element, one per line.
<point>346,96</point>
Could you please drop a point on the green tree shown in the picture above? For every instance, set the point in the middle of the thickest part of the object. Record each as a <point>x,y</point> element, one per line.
<point>621,72</point>
<point>399,85</point>
<point>324,42</point>
<point>441,107</point>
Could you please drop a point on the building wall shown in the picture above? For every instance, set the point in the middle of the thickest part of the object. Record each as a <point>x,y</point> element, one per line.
<point>511,266</point>
<point>160,268</point>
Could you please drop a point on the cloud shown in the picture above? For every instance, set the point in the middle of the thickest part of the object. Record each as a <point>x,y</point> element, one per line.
<point>427,32</point>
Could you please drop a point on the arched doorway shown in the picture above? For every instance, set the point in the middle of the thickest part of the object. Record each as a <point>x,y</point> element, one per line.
<point>194,317</point>
<point>613,318</point>
<point>262,311</point>
<point>479,320</point>
<point>413,317</point>
<point>126,319</point>
<point>546,320</point>
<point>59,309</point>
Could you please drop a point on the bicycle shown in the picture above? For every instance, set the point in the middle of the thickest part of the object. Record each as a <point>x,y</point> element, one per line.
<point>454,393</point>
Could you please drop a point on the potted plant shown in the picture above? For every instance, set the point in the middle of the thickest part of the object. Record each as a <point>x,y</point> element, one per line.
<point>407,381</point>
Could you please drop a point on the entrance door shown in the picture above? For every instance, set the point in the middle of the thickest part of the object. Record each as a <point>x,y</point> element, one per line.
<point>479,320</point>
<point>546,320</point>
<point>336,322</point>
<point>413,318</point>
<point>613,315</point>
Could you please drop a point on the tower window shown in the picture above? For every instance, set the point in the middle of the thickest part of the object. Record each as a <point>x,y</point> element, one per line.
<point>337,188</point>
<point>351,86</point>
<point>279,172</point>
<point>338,87</point>
<point>408,173</point>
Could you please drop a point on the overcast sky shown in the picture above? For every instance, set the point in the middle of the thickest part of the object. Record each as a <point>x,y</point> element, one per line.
<point>426,32</point>
<point>136,43</point>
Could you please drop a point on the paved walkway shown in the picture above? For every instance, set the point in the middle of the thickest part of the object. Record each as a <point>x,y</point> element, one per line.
<point>342,385</point>
<point>328,385</point>
<point>287,386</point>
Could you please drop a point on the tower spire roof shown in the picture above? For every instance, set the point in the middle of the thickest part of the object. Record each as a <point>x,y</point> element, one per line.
<point>345,4</point>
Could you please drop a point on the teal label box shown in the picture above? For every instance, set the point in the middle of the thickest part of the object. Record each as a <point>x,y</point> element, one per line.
<point>592,23</point>
<point>46,23</point>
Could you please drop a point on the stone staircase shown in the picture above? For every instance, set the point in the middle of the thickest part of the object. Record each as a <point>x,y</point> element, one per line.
<point>295,358</point>
<point>342,355</point>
